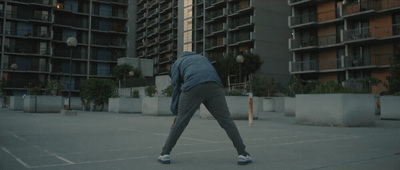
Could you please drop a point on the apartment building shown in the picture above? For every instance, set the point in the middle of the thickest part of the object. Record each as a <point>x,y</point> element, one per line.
<point>344,40</point>
<point>33,41</point>
<point>233,27</point>
<point>215,28</point>
<point>156,33</point>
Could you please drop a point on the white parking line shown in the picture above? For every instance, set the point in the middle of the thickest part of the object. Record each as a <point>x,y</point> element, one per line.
<point>16,158</point>
<point>69,163</point>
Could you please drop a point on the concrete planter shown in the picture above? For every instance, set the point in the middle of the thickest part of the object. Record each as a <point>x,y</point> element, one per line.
<point>279,104</point>
<point>290,106</point>
<point>268,105</point>
<point>16,103</point>
<point>390,107</point>
<point>238,106</point>
<point>335,109</point>
<point>76,103</point>
<point>125,105</point>
<point>156,106</point>
<point>43,104</point>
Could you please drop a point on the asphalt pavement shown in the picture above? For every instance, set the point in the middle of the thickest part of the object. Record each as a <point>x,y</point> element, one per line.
<point>104,140</point>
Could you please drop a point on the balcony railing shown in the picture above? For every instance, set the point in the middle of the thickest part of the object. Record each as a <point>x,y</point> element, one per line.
<point>303,66</point>
<point>303,43</point>
<point>216,28</point>
<point>357,61</point>
<point>216,14</point>
<point>240,6</point>
<point>213,2</point>
<point>328,40</point>
<point>303,19</point>
<point>241,21</point>
<point>354,8</point>
<point>356,34</point>
<point>45,2</point>
<point>243,36</point>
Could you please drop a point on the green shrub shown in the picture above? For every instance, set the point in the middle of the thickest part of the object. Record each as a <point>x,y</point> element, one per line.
<point>263,86</point>
<point>97,91</point>
<point>332,87</point>
<point>167,91</point>
<point>150,91</point>
<point>135,93</point>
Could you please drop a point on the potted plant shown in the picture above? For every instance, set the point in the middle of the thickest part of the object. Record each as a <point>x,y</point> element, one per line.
<point>156,105</point>
<point>97,91</point>
<point>390,103</point>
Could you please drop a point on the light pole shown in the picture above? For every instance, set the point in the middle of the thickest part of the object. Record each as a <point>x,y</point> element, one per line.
<point>240,60</point>
<point>14,67</point>
<point>131,74</point>
<point>71,42</point>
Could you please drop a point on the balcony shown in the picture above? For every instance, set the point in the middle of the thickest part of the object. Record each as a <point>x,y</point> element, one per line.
<point>153,12</point>
<point>213,29</point>
<point>303,66</point>
<point>44,2</point>
<point>166,17</point>
<point>241,37</point>
<point>214,43</point>
<point>166,27</point>
<point>166,6</point>
<point>212,3</point>
<point>216,14</point>
<point>152,51</point>
<point>330,40</point>
<point>165,48</point>
<point>356,34</point>
<point>303,20</point>
<point>241,6</point>
<point>376,60</point>
<point>152,42</point>
<point>167,37</point>
<point>27,33</point>
<point>311,42</point>
<point>369,5</point>
<point>241,22</point>
<point>298,2</point>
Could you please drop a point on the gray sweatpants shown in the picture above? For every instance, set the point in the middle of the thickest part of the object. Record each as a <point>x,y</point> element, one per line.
<point>213,98</point>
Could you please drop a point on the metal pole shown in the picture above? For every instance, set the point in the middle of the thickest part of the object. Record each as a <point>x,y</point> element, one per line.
<point>250,109</point>
<point>70,77</point>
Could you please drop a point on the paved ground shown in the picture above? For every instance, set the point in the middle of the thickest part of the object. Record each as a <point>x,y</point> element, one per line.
<point>102,140</point>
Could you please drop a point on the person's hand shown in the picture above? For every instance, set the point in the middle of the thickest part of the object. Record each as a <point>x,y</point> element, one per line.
<point>173,123</point>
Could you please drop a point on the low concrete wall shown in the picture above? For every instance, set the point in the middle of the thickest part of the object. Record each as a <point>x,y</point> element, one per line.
<point>16,103</point>
<point>238,106</point>
<point>279,104</point>
<point>43,104</point>
<point>335,109</point>
<point>76,103</point>
<point>156,106</point>
<point>290,106</point>
<point>268,105</point>
<point>390,107</point>
<point>125,105</point>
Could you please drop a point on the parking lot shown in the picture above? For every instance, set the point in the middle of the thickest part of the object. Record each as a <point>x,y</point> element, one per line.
<point>103,140</point>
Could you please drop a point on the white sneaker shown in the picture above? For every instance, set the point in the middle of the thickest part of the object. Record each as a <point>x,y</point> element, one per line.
<point>243,160</point>
<point>164,159</point>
